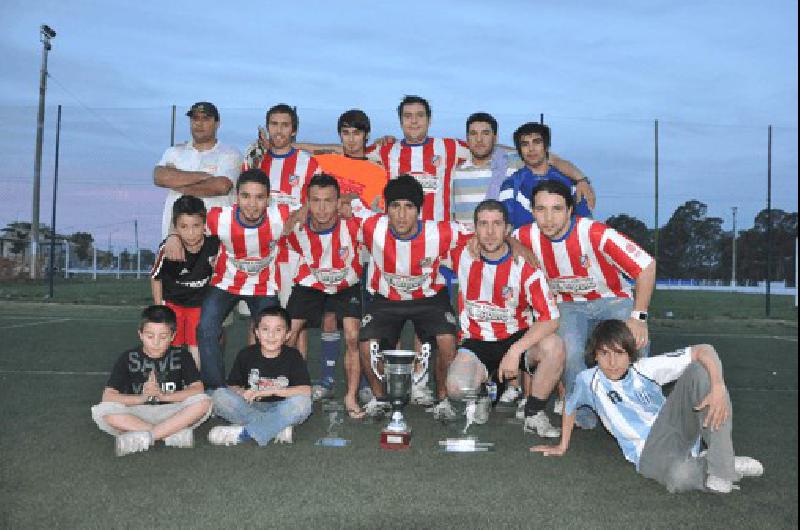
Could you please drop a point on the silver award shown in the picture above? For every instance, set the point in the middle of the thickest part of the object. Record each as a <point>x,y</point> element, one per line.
<point>476,411</point>
<point>335,421</point>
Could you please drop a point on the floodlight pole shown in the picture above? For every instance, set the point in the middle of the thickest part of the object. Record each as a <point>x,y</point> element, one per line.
<point>733,262</point>
<point>52,271</point>
<point>655,232</point>
<point>769,217</point>
<point>45,33</point>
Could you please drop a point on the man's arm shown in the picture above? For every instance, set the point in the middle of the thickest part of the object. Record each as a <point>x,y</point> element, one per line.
<point>115,396</point>
<point>172,177</point>
<point>643,291</point>
<point>209,187</point>
<point>509,365</point>
<point>582,187</point>
<point>180,395</point>
<point>717,398</point>
<point>156,289</point>
<point>567,423</point>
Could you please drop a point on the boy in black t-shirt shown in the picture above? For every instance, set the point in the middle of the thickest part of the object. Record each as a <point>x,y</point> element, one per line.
<point>269,387</point>
<point>154,391</point>
<point>182,285</point>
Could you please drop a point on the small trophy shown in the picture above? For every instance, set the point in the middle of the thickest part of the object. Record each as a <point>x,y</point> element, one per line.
<point>464,443</point>
<point>332,438</point>
<point>397,376</point>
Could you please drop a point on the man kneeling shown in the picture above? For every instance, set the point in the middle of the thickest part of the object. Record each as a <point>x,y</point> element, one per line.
<point>154,391</point>
<point>499,296</point>
<point>661,437</point>
<point>269,387</point>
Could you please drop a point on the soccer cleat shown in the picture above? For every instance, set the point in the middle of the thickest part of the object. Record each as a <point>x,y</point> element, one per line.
<point>421,395</point>
<point>443,411</point>
<point>375,408</point>
<point>510,395</point>
<point>747,467</point>
<point>482,409</point>
<point>720,485</point>
<point>540,424</point>
<point>520,414</point>
<point>319,392</point>
<point>183,438</point>
<point>225,435</point>
<point>133,442</point>
<point>558,406</point>
<point>284,437</point>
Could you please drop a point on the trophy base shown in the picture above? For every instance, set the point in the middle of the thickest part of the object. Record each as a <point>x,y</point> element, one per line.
<point>466,444</point>
<point>394,441</point>
<point>332,441</point>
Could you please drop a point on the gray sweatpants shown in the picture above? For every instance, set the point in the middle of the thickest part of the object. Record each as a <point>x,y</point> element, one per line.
<point>667,454</point>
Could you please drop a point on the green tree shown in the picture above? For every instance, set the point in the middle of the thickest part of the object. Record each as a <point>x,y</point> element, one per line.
<point>82,242</point>
<point>633,228</point>
<point>690,243</point>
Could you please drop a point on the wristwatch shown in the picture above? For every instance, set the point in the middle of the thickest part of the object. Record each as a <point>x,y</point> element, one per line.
<point>639,315</point>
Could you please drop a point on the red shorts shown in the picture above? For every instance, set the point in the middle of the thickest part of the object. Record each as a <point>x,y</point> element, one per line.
<point>188,320</point>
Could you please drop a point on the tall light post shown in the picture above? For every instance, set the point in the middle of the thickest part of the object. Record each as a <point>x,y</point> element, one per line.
<point>45,33</point>
<point>733,264</point>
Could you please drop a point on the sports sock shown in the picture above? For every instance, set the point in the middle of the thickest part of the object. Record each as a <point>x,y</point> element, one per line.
<point>244,435</point>
<point>331,344</point>
<point>533,405</point>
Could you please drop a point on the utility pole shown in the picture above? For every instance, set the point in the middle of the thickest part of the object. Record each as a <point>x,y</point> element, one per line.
<point>45,33</point>
<point>733,263</point>
<point>52,271</point>
<point>769,216</point>
<point>655,232</point>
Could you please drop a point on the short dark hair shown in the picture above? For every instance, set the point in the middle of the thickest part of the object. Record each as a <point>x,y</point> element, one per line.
<point>406,188</point>
<point>283,108</point>
<point>491,205</point>
<point>482,117</point>
<point>158,314</point>
<point>531,128</point>
<point>253,175</point>
<point>274,311</point>
<point>323,180</point>
<point>555,187</point>
<point>610,334</point>
<point>410,100</point>
<point>188,205</point>
<point>355,118</point>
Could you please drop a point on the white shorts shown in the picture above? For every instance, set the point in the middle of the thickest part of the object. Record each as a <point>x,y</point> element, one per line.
<point>152,414</point>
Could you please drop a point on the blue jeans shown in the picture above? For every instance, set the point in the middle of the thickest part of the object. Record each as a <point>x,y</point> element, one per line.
<point>262,420</point>
<point>216,306</point>
<point>576,323</point>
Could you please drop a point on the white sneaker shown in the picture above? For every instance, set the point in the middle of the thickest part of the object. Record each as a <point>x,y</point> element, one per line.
<point>482,409</point>
<point>540,424</point>
<point>225,435</point>
<point>321,392</point>
<point>720,485</point>
<point>133,442</point>
<point>558,406</point>
<point>510,395</point>
<point>285,436</point>
<point>421,394</point>
<point>375,408</point>
<point>747,467</point>
<point>443,411</point>
<point>520,414</point>
<point>183,438</point>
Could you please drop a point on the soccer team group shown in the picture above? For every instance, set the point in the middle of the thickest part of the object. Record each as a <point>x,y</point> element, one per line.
<point>359,238</point>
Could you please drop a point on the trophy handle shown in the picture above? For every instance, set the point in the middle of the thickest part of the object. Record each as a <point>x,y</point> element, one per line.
<point>374,357</point>
<point>422,358</point>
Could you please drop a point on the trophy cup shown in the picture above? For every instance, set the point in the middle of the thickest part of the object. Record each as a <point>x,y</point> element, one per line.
<point>464,443</point>
<point>397,376</point>
<point>332,438</point>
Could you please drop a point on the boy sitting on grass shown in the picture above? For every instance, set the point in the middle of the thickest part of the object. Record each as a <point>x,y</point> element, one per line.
<point>182,285</point>
<point>659,436</point>
<point>154,391</point>
<point>269,387</point>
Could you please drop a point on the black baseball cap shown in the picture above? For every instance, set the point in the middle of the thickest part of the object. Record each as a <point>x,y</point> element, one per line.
<point>209,109</point>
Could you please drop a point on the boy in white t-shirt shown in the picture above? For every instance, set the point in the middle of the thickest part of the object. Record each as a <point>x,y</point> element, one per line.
<point>660,436</point>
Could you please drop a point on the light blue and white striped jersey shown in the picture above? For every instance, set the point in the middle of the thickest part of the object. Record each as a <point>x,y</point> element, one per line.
<point>469,186</point>
<point>629,407</point>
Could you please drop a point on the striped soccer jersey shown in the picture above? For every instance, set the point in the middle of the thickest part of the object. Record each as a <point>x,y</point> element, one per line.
<point>498,298</point>
<point>629,407</point>
<point>246,261</point>
<point>408,269</point>
<point>589,262</point>
<point>288,174</point>
<point>330,259</point>
<point>431,163</point>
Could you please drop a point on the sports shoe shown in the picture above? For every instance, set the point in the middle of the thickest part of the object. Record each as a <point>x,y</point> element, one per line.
<point>183,438</point>
<point>375,408</point>
<point>321,392</point>
<point>540,424</point>
<point>133,442</point>
<point>443,411</point>
<point>421,394</point>
<point>520,414</point>
<point>558,406</point>
<point>720,485</point>
<point>510,395</point>
<point>482,409</point>
<point>225,435</point>
<point>747,467</point>
<point>365,395</point>
<point>284,437</point>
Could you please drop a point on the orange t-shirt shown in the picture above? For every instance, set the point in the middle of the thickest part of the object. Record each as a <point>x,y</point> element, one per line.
<point>363,177</point>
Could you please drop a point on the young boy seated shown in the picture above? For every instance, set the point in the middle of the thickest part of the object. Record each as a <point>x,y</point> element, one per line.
<point>661,437</point>
<point>154,391</point>
<point>182,285</point>
<point>269,387</point>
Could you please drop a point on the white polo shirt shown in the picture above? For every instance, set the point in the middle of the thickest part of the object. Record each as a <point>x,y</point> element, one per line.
<point>221,161</point>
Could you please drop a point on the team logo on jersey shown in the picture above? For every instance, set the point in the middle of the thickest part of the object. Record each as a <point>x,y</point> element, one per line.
<point>366,320</point>
<point>436,160</point>
<point>344,252</point>
<point>184,271</point>
<point>633,250</point>
<point>294,180</point>
<point>507,292</point>
<point>584,260</point>
<point>426,263</point>
<point>450,317</point>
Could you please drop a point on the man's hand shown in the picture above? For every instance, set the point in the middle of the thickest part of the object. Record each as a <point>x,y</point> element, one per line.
<point>150,387</point>
<point>384,140</point>
<point>173,248</point>
<point>472,248</point>
<point>639,330</point>
<point>375,205</point>
<point>295,218</point>
<point>584,190</point>
<point>520,250</point>
<point>509,365</point>
<point>250,395</point>
<point>718,408</point>
<point>549,450</point>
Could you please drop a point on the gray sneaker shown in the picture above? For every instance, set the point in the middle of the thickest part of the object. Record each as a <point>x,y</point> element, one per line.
<point>133,442</point>
<point>747,467</point>
<point>376,408</point>
<point>225,435</point>
<point>285,436</point>
<point>540,424</point>
<point>183,438</point>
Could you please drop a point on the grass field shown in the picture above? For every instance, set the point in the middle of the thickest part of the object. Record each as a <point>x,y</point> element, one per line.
<point>58,469</point>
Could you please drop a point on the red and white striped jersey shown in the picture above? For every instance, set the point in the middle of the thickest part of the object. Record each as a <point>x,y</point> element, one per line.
<point>499,298</point>
<point>330,259</point>
<point>288,174</point>
<point>589,262</point>
<point>246,260</point>
<point>408,269</point>
<point>431,163</point>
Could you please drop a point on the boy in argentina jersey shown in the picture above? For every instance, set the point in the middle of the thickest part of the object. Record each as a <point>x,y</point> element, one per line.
<point>660,436</point>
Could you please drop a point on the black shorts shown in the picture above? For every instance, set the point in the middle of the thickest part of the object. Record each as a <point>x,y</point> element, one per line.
<point>490,353</point>
<point>384,318</point>
<point>309,304</point>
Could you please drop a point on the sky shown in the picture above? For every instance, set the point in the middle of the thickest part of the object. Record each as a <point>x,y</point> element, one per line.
<point>715,74</point>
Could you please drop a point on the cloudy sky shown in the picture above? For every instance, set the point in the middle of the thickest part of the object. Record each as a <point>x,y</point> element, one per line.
<point>715,75</point>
